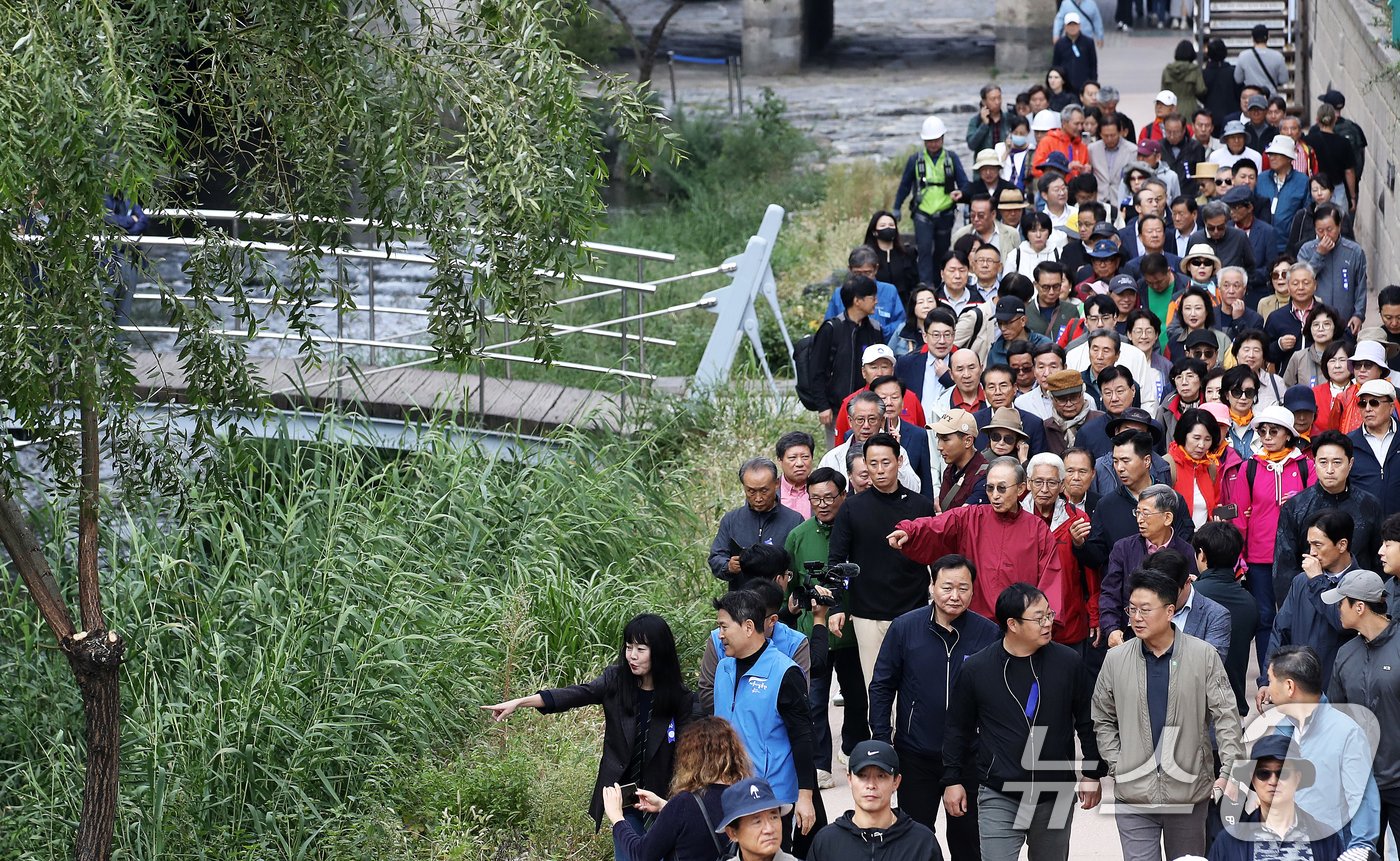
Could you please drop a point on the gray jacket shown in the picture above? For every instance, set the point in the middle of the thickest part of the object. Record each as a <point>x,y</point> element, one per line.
<point>1256,65</point>
<point>1363,676</point>
<point>1199,698</point>
<point>1341,276</point>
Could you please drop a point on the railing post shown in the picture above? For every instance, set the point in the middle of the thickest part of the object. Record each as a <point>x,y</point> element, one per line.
<point>339,320</point>
<point>373,329</point>
<point>642,323</point>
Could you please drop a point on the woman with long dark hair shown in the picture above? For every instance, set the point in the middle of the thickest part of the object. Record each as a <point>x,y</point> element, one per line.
<point>645,705</point>
<point>709,757</point>
<point>1222,96</point>
<point>898,262</point>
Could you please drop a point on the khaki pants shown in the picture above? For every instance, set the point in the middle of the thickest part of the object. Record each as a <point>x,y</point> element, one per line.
<point>870,633</point>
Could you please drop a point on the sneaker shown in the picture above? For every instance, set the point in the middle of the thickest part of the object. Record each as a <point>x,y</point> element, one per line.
<point>825,780</point>
<point>839,700</point>
<point>842,758</point>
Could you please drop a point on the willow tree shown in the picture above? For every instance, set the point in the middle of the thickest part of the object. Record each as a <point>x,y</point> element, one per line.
<point>463,119</point>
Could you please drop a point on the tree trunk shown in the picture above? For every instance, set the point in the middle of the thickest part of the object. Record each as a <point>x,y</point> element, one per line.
<point>647,62</point>
<point>96,662</point>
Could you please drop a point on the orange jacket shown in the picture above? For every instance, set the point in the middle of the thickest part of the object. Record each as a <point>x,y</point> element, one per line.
<point>1057,140</point>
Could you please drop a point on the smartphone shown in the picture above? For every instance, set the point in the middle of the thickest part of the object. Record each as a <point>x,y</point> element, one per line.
<point>629,795</point>
<point>1226,512</point>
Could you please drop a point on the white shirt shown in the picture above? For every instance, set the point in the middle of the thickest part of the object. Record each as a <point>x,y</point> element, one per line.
<point>836,459</point>
<point>1380,445</point>
<point>1225,158</point>
<point>932,386</point>
<point>1179,620</point>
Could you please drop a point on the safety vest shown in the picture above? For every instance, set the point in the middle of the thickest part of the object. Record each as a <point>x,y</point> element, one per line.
<point>932,198</point>
<point>753,712</point>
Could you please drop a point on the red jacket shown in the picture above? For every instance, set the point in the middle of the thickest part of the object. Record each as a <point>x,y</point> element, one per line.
<point>1058,140</point>
<point>1006,549</point>
<point>1081,583</point>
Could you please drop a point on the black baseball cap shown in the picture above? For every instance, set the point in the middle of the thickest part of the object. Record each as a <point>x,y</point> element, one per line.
<point>1009,308</point>
<point>1201,338</point>
<point>876,753</point>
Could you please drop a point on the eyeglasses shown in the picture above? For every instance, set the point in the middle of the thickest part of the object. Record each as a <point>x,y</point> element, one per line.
<point>823,501</point>
<point>1003,437</point>
<point>999,489</point>
<point>1046,483</point>
<point>1042,620</point>
<point>1371,403</point>
<point>1140,513</point>
<point>866,420</point>
<point>1245,394</point>
<point>1140,612</point>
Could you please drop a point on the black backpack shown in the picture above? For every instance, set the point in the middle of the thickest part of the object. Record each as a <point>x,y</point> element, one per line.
<point>804,357</point>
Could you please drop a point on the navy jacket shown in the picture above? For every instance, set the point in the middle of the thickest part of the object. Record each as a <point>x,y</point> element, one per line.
<point>1381,480</point>
<point>914,441</point>
<point>1030,422</point>
<point>1093,436</point>
<point>1304,620</point>
<point>910,370</point>
<point>1228,847</point>
<point>918,664</point>
<point>1281,323</point>
<point>1292,538</point>
<point>1221,587</point>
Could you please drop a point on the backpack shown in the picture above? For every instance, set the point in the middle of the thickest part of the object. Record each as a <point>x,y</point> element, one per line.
<point>809,391</point>
<point>1251,469</point>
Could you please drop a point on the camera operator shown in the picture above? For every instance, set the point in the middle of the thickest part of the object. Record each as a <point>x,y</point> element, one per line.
<point>762,564</point>
<point>810,544</point>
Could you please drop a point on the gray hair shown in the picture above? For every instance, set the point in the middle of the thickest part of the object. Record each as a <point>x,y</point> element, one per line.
<point>1216,209</point>
<point>754,464</point>
<point>1300,266</point>
<point>854,452</point>
<point>1011,462</point>
<point>1108,94</point>
<point>862,255</point>
<point>1046,458</point>
<point>1162,496</point>
<point>1233,270</point>
<point>1069,111</point>
<point>1105,333</point>
<point>863,398</point>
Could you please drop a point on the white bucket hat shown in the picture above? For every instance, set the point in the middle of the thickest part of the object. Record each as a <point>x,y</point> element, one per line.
<point>1274,415</point>
<point>1282,145</point>
<point>1369,351</point>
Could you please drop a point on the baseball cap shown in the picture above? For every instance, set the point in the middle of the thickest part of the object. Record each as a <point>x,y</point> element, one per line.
<point>1134,415</point>
<point>932,129</point>
<point>1122,284</point>
<point>1256,101</point>
<point>1104,249</point>
<point>876,753</point>
<point>1064,382</point>
<point>747,797</point>
<point>1149,147</point>
<point>876,352</point>
<point>1377,389</point>
<point>1102,230</point>
<point>956,421</point>
<point>1300,399</point>
<point>1201,338</point>
<point>1167,97</point>
<point>1072,18</point>
<point>1233,127</point>
<point>1333,98</point>
<point>1239,195</point>
<point>1273,415</point>
<point>1359,585</point>
<point>1009,308</point>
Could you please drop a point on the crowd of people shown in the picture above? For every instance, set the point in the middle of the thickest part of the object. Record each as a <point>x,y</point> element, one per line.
<point>1088,460</point>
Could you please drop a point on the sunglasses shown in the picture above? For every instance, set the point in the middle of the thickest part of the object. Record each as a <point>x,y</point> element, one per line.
<point>1371,403</point>
<point>1200,262</point>
<point>1250,394</point>
<point>1264,775</point>
<point>1003,437</point>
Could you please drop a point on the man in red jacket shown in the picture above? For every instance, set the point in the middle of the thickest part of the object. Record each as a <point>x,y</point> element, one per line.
<point>1007,543</point>
<point>1078,626</point>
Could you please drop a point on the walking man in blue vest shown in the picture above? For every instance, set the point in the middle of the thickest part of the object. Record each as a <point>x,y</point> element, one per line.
<point>763,694</point>
<point>934,178</point>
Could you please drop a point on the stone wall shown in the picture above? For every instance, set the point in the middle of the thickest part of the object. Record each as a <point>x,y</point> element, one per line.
<point>1345,53</point>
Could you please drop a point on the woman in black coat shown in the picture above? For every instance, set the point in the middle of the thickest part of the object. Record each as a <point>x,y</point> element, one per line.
<point>645,706</point>
<point>1222,96</point>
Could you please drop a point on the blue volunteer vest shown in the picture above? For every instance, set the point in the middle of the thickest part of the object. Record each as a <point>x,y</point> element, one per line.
<point>754,715</point>
<point>787,639</point>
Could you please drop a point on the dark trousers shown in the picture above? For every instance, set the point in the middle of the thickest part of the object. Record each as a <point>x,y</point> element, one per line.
<point>855,719</point>
<point>1123,14</point>
<point>795,842</point>
<point>921,796</point>
<point>933,236</point>
<point>1390,816</point>
<point>1260,580</point>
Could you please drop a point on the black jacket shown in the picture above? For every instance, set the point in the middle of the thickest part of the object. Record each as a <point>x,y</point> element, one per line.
<point>1362,676</point>
<point>998,703</point>
<point>1221,587</point>
<point>905,840</point>
<point>918,665</point>
<point>899,267</point>
<point>836,351</point>
<point>1292,537</point>
<point>889,583</point>
<point>619,732</point>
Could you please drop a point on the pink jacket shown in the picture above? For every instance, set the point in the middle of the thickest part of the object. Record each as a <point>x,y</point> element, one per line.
<point>1274,484</point>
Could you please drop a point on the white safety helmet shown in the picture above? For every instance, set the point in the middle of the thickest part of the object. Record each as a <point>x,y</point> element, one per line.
<point>933,129</point>
<point>1046,120</point>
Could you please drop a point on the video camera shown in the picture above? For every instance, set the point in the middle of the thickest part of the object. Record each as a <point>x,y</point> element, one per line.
<point>835,579</point>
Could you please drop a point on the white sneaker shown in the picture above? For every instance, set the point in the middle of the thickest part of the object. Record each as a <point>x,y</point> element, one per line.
<point>825,780</point>
<point>842,758</point>
<point>839,700</point>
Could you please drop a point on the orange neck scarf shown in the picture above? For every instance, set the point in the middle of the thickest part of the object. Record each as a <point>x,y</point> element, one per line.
<point>1276,456</point>
<point>1241,420</point>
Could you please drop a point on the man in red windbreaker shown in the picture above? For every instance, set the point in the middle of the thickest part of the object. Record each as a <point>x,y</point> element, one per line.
<point>1079,626</point>
<point>1007,543</point>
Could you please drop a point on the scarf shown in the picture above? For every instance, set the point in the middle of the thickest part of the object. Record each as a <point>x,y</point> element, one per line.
<point>1069,428</point>
<point>1276,456</point>
<point>1193,475</point>
<point>1242,420</point>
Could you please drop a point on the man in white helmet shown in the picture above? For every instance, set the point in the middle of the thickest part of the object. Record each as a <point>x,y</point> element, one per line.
<point>932,181</point>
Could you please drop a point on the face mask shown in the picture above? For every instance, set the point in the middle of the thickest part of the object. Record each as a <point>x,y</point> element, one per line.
<point>887,233</point>
<point>1020,140</point>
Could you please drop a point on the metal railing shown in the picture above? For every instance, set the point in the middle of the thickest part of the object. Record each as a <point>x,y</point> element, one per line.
<point>750,275</point>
